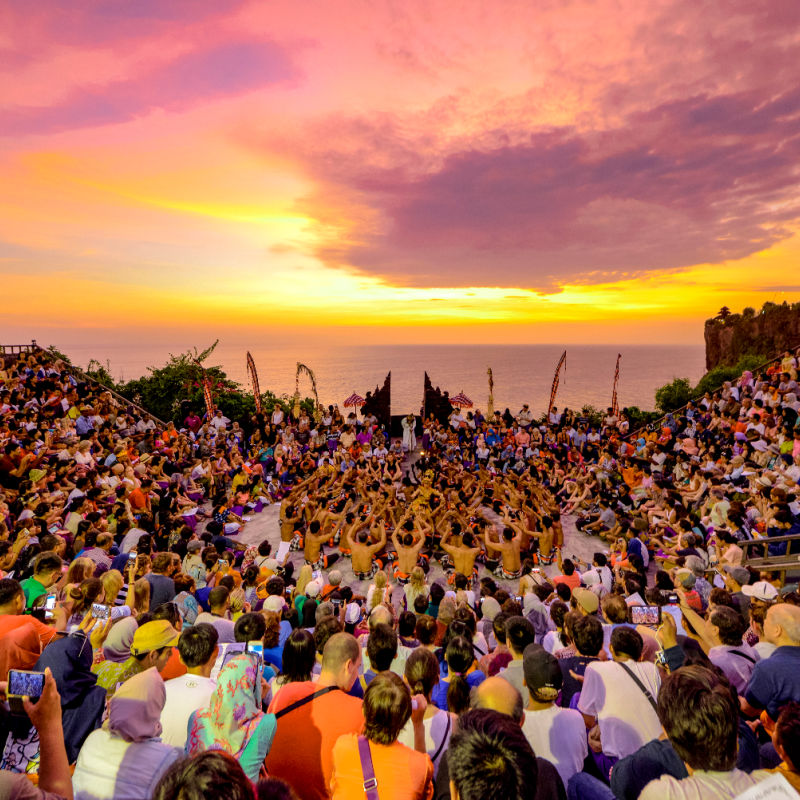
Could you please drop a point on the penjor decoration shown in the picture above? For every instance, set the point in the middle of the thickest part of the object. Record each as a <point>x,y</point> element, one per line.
<point>207,396</point>
<point>562,362</point>
<point>251,369</point>
<point>303,369</point>
<point>490,404</point>
<point>614,399</point>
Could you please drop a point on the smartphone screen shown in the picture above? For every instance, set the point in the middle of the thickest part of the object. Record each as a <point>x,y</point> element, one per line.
<point>53,528</point>
<point>256,647</point>
<point>24,683</point>
<point>222,562</point>
<point>316,574</point>
<point>131,556</point>
<point>100,611</point>
<point>49,605</point>
<point>645,615</point>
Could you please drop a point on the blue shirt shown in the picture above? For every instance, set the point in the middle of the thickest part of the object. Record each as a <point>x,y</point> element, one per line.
<point>83,425</point>
<point>439,693</point>
<point>774,681</point>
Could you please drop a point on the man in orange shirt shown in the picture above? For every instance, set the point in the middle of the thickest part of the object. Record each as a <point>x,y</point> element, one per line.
<point>13,616</point>
<point>312,716</point>
<point>140,498</point>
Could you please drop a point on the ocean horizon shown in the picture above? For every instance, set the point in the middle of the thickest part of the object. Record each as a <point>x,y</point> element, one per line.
<point>523,373</point>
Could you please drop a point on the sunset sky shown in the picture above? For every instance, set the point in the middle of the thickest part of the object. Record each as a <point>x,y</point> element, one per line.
<point>535,171</point>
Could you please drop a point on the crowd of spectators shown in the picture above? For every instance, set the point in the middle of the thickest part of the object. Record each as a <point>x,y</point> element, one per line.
<point>416,626</point>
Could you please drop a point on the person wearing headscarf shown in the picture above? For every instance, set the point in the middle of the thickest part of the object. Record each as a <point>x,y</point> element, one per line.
<point>233,720</point>
<point>118,664</point>
<point>82,704</point>
<point>125,759</point>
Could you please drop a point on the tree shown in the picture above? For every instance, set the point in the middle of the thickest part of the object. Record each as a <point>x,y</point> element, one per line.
<point>638,418</point>
<point>723,313</point>
<point>673,395</point>
<point>100,373</point>
<point>168,392</point>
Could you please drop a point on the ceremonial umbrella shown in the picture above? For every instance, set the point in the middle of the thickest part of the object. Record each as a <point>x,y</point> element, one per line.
<point>355,400</point>
<point>461,400</point>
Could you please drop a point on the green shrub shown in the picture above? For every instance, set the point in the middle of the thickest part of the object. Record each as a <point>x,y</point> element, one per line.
<point>673,395</point>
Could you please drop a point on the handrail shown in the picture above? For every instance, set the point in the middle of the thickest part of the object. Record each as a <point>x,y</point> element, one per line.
<point>796,349</point>
<point>102,386</point>
<point>765,541</point>
<point>16,349</point>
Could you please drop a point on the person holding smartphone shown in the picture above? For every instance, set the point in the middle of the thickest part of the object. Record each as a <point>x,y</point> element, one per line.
<point>12,613</point>
<point>55,780</point>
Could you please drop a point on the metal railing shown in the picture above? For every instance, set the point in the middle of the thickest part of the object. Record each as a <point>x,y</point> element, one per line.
<point>795,349</point>
<point>16,349</point>
<point>124,400</point>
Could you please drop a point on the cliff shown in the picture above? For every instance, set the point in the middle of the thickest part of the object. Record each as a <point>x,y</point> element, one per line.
<point>766,333</point>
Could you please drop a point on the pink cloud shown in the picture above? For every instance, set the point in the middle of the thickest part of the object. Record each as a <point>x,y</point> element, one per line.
<point>704,179</point>
<point>92,23</point>
<point>190,79</point>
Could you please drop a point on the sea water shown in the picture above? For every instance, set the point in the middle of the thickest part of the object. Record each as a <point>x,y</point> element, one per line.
<point>522,373</point>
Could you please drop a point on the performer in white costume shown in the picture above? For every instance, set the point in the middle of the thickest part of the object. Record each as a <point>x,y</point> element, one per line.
<point>409,438</point>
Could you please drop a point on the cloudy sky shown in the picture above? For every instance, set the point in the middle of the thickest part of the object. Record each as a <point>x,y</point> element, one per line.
<point>538,171</point>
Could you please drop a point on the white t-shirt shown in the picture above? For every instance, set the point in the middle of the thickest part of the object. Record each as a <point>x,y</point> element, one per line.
<point>437,736</point>
<point>185,695</point>
<point>558,735</point>
<point>702,784</point>
<point>627,719</point>
<point>552,641</point>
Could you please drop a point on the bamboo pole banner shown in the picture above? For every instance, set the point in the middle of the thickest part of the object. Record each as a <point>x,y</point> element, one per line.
<point>302,369</point>
<point>614,399</point>
<point>207,396</point>
<point>490,404</point>
<point>556,379</point>
<point>251,369</point>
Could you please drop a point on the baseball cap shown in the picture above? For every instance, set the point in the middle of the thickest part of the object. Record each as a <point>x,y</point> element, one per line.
<point>194,546</point>
<point>272,564</point>
<point>153,636</point>
<point>739,574</point>
<point>541,669</point>
<point>586,599</point>
<point>274,603</point>
<point>761,590</point>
